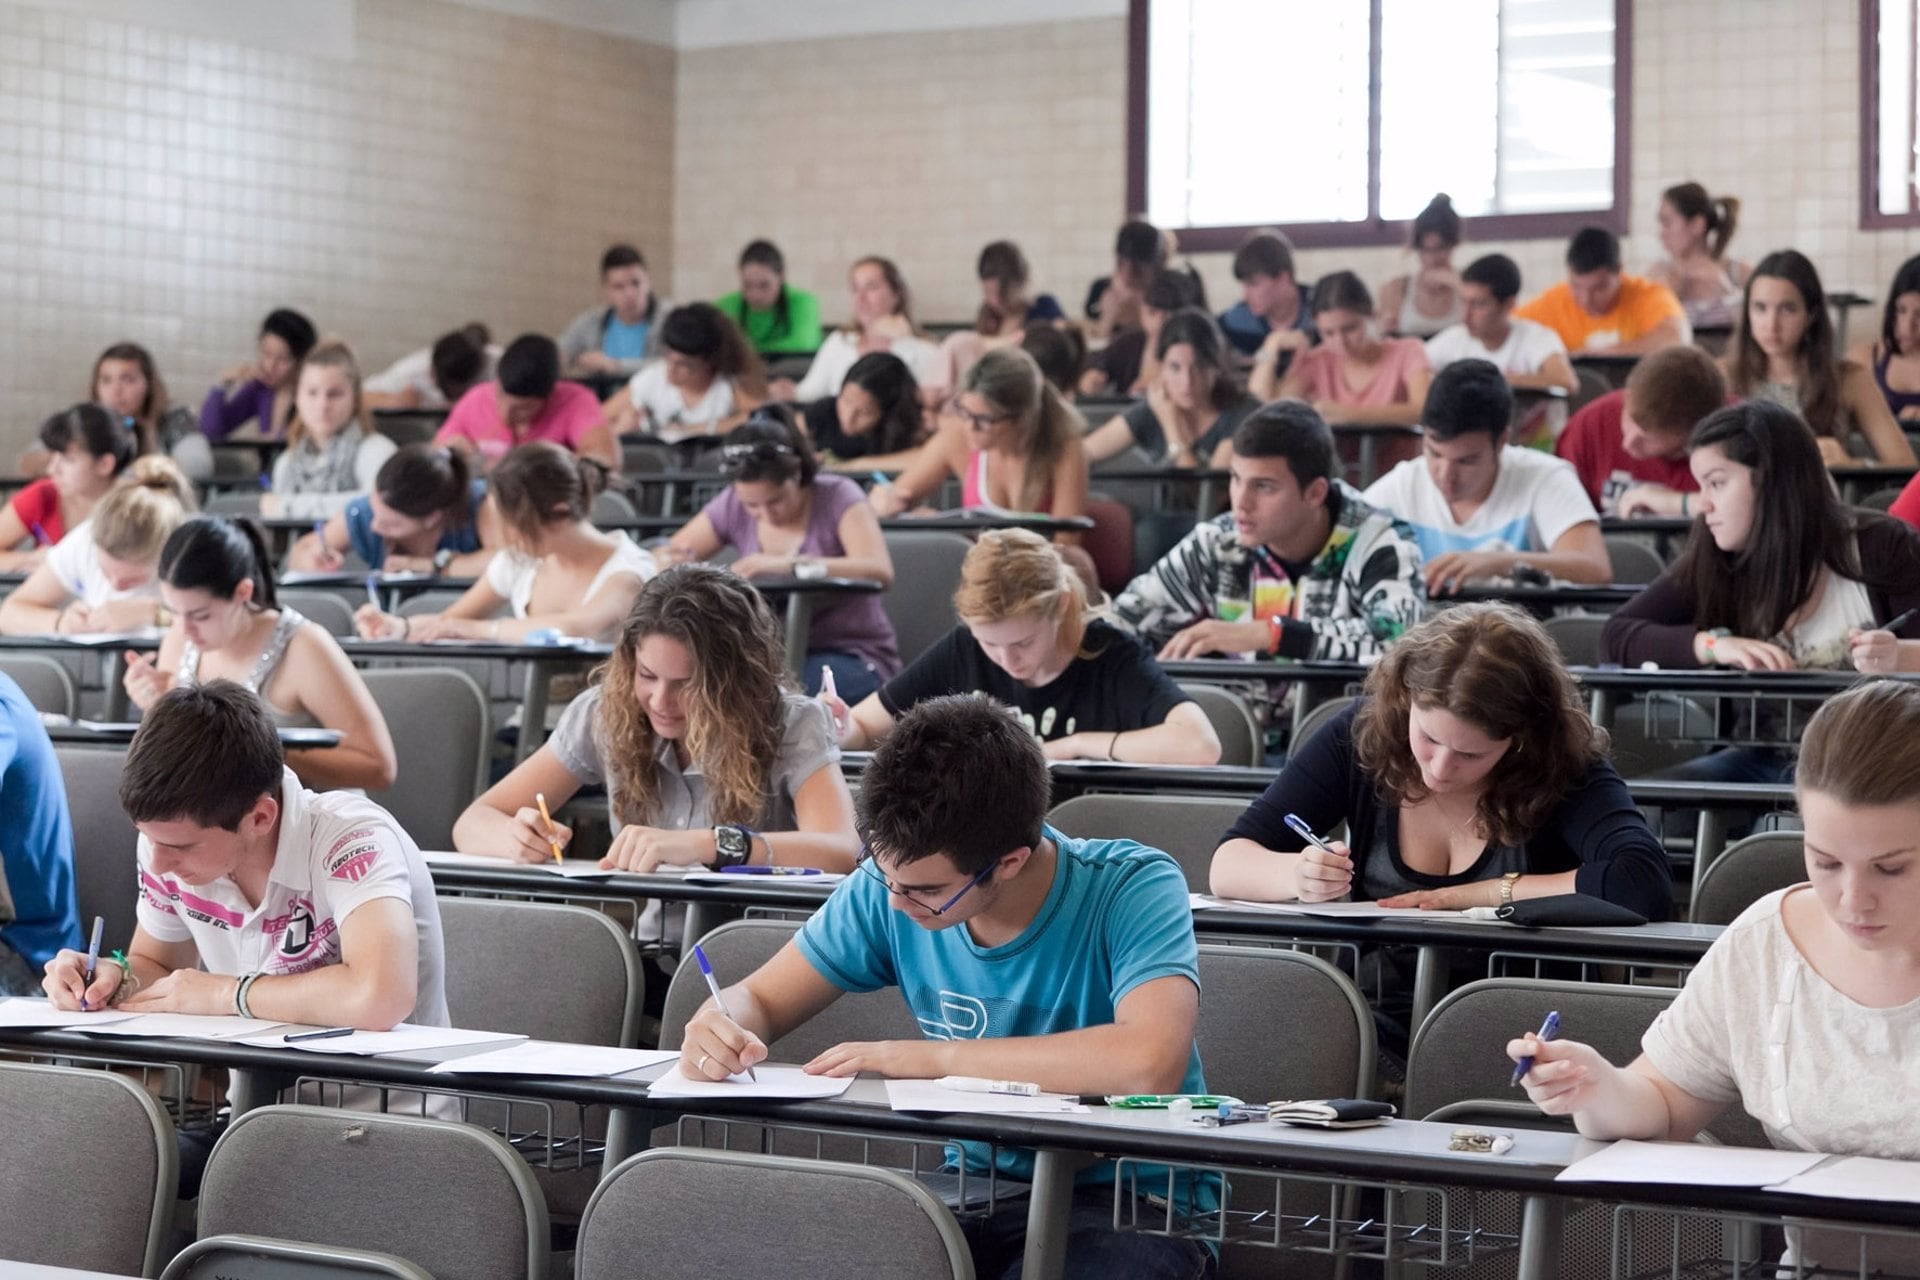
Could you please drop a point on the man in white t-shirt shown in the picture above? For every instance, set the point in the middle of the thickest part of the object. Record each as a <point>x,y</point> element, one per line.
<point>257,896</point>
<point>434,377</point>
<point>1481,507</point>
<point>1530,354</point>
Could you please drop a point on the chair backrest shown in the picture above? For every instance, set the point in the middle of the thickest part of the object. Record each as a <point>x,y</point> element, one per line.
<point>646,457</point>
<point>1312,722</point>
<point>222,1257</point>
<point>47,684</point>
<point>1110,542</point>
<point>105,868</point>
<point>1746,871</point>
<point>926,573</point>
<point>1246,992</point>
<point>452,1198</point>
<point>611,504</point>
<point>1635,564</point>
<point>741,946</point>
<point>442,730</point>
<point>329,611</point>
<point>230,503</point>
<point>678,1213</point>
<point>428,602</point>
<point>1188,827</point>
<point>1241,742</point>
<point>492,987</point>
<point>1592,385</point>
<point>96,1131</point>
<point>1881,499</point>
<point>1578,636</point>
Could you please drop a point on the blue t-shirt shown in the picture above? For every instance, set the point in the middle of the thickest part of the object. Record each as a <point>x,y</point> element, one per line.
<point>1117,916</point>
<point>372,548</point>
<point>36,834</point>
<point>623,341</point>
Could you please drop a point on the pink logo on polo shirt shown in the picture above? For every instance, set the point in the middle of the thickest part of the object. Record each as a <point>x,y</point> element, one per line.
<point>300,941</point>
<point>353,855</point>
<point>167,895</point>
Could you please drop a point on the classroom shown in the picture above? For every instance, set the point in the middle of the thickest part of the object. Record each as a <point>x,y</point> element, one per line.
<point>1064,638</point>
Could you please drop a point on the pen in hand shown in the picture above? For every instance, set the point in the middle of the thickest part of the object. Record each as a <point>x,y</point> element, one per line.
<point>93,960</point>
<point>540,798</point>
<point>719,1002</point>
<point>1548,1030</point>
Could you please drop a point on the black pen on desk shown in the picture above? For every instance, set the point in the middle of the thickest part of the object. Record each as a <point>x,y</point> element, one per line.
<point>326,1033</point>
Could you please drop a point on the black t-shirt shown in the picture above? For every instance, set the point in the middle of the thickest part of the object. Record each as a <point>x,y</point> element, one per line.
<point>1119,689</point>
<point>1152,438</point>
<point>822,418</point>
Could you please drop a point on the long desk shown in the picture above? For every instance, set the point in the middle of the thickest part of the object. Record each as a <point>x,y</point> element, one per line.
<point>95,733</point>
<point>800,595</point>
<point>1544,600</point>
<point>392,587</point>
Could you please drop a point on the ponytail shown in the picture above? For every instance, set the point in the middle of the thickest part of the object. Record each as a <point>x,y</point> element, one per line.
<point>1726,216</point>
<point>423,480</point>
<point>215,554</point>
<point>1011,383</point>
<point>135,519</point>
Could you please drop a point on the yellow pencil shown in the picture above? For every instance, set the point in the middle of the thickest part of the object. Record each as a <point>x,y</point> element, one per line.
<point>547,818</point>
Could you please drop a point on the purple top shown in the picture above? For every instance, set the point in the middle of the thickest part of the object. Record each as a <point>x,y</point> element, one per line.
<point>841,624</point>
<point>223,414</point>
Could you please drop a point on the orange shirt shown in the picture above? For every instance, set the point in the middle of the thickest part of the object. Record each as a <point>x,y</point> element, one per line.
<point>1641,306</point>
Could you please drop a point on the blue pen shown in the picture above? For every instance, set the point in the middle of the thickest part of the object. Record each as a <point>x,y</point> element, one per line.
<point>373,590</point>
<point>1305,832</point>
<point>1548,1030</point>
<point>39,532</point>
<point>93,958</point>
<point>706,971</point>
<point>880,478</point>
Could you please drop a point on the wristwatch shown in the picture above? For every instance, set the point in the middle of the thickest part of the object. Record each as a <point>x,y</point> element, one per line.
<point>809,568</point>
<point>732,845</point>
<point>1506,888</point>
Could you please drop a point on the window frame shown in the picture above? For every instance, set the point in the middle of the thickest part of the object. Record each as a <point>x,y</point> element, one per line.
<point>1871,219</point>
<point>1374,230</point>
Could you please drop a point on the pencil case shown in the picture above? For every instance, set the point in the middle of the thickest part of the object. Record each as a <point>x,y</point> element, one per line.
<point>1331,1113</point>
<point>1567,909</point>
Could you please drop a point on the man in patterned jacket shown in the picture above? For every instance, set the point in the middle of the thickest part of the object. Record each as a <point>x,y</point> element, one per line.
<point>1300,567</point>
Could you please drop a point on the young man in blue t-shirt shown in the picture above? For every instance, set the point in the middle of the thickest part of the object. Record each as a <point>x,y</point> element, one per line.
<point>36,848</point>
<point>1024,954</point>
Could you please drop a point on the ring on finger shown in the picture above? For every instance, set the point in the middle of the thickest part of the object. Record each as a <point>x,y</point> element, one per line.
<point>701,1066</point>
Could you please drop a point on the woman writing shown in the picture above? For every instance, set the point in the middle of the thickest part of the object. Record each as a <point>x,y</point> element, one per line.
<point>87,450</point>
<point>1354,374</point>
<point>704,384</point>
<point>875,423</point>
<point>426,514</point>
<point>1427,299</point>
<point>1192,406</point>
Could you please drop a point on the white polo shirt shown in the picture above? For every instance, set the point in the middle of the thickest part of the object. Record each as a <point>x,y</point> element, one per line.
<point>336,851</point>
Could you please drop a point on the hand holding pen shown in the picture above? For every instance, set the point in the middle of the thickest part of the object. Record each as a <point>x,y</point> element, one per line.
<point>1324,871</point>
<point>726,1040</point>
<point>1876,650</point>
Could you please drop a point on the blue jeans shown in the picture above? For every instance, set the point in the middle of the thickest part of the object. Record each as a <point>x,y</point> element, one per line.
<point>1095,1251</point>
<point>853,677</point>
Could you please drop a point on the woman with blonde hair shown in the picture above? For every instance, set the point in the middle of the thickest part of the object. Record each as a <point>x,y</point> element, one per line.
<point>101,576</point>
<point>709,759</point>
<point>333,454</point>
<point>1086,689</point>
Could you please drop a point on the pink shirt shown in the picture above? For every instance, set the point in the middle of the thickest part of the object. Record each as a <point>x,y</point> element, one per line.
<point>569,413</point>
<point>1400,359</point>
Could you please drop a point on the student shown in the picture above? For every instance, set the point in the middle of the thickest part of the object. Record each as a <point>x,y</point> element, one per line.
<point>618,335</point>
<point>1011,440</point>
<point>1806,1011</point>
<point>87,450</point>
<point>36,859</point>
<point>1783,352</point>
<point>126,383</point>
<point>707,759</point>
<point>556,573</point>
<point>1301,567</point>
<point>704,385</point>
<point>437,376</point>
<point>528,402</point>
<point>1005,310</point>
<point>216,577</point>
<point>1427,299</point>
<point>875,422</point>
<point>1192,407</point>
<point>1087,690</point>
<point>1530,355</point>
<point>1275,313</point>
<point>1481,507</point>
<point>1128,365</point>
<point>783,516</point>
<point>333,455</point>
<point>259,897</point>
<point>1629,447</point>
<point>1354,375</point>
<point>1071,963</point>
<point>1895,357</point>
<point>424,515</point>
<point>1597,310</point>
<point>100,577</point>
<point>261,391</point>
<point>777,319</point>
<point>1060,349</point>
<point>1695,229</point>
<point>882,321</point>
<point>1113,301</point>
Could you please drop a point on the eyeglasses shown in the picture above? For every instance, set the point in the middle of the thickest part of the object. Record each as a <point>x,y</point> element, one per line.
<point>867,863</point>
<point>735,457</point>
<point>978,421</point>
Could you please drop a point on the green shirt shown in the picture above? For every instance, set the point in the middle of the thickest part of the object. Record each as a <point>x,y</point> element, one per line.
<point>800,335</point>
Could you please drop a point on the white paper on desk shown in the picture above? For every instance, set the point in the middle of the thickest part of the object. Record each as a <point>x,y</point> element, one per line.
<point>148,636</point>
<point>1689,1164</point>
<point>547,1058</point>
<point>701,876</point>
<point>1858,1178</point>
<point>25,1012</point>
<point>405,1038</point>
<point>1349,910</point>
<point>931,1095</point>
<point>774,1082</point>
<point>187,1026</point>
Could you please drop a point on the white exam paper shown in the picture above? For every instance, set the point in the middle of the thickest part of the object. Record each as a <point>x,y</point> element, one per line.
<point>547,1058</point>
<point>404,1038</point>
<point>931,1095</point>
<point>1350,910</point>
<point>26,1012</point>
<point>1858,1178</point>
<point>186,1026</point>
<point>1689,1164</point>
<point>774,1082</point>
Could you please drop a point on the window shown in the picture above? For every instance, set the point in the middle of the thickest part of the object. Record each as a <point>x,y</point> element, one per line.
<point>1889,113</point>
<point>1339,119</point>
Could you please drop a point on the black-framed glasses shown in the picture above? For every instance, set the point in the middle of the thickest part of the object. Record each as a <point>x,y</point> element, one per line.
<point>867,863</point>
<point>978,421</point>
<point>736,457</point>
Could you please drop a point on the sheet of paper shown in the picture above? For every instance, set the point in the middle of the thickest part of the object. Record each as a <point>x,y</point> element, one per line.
<point>1349,910</point>
<point>187,1026</point>
<point>931,1095</point>
<point>1858,1178</point>
<point>405,1038</point>
<point>22,1011</point>
<point>1689,1164</point>
<point>774,1082</point>
<point>148,636</point>
<point>723,877</point>
<point>546,1058</point>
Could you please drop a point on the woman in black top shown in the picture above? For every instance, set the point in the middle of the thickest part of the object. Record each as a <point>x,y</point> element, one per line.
<point>1087,690</point>
<point>875,423</point>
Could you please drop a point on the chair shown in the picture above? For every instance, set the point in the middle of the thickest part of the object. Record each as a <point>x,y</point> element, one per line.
<point>91,1172</point>
<point>1634,562</point>
<point>926,573</point>
<point>1747,871</point>
<point>221,1257</point>
<point>1110,542</point>
<point>1578,636</point>
<point>47,684</point>
<point>1188,827</point>
<point>330,611</point>
<point>237,467</point>
<point>232,503</point>
<point>424,602</point>
<point>679,1213</point>
<point>1312,722</point>
<point>643,457</point>
<point>611,505</point>
<point>1880,499</point>
<point>1241,741</point>
<point>491,987</point>
<point>442,731</point>
<point>1246,992</point>
<point>1593,385</point>
<point>105,868</point>
<point>452,1198</point>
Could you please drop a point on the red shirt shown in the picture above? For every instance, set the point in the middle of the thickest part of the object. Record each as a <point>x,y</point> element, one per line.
<point>39,504</point>
<point>568,414</point>
<point>1907,505</point>
<point>1591,443</point>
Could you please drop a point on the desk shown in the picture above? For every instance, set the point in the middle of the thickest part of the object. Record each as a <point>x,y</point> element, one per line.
<point>95,733</point>
<point>1542,601</point>
<point>352,587</point>
<point>1369,434</point>
<point>1204,480</point>
<point>980,520</point>
<point>1662,531</point>
<point>1843,302</point>
<point>111,650</point>
<point>1612,369</point>
<point>1857,482</point>
<point>800,594</point>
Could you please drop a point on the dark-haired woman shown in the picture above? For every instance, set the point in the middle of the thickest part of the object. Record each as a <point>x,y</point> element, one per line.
<point>216,578</point>
<point>1695,229</point>
<point>784,516</point>
<point>1354,374</point>
<point>776,318</point>
<point>263,390</point>
<point>704,384</point>
<point>426,514</point>
<point>1895,356</point>
<point>1427,299</point>
<point>87,450</point>
<point>1192,406</point>
<point>127,384</point>
<point>1005,309</point>
<point>875,423</point>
